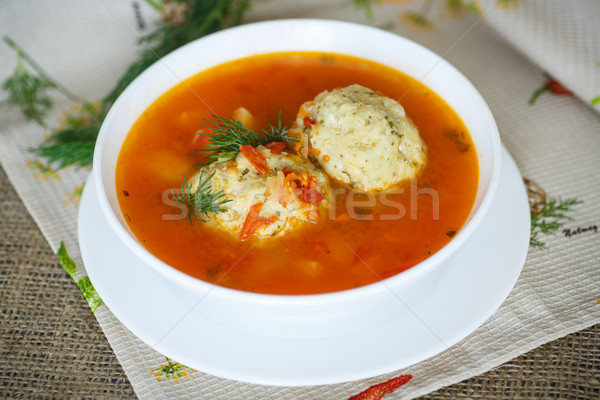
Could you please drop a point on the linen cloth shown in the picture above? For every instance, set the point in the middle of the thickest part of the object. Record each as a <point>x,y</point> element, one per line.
<point>506,54</point>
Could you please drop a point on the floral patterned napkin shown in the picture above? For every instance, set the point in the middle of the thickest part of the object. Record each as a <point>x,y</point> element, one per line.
<point>535,62</point>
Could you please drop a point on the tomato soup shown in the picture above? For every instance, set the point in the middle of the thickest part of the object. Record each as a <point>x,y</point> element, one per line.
<point>364,238</point>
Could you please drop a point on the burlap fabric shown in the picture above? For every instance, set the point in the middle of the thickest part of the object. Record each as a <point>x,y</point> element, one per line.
<point>53,347</point>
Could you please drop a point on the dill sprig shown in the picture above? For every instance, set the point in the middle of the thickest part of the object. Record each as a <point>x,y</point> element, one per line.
<point>73,144</point>
<point>201,17</point>
<point>550,219</point>
<point>202,199</point>
<point>27,89</point>
<point>28,92</point>
<point>229,134</point>
<point>70,146</point>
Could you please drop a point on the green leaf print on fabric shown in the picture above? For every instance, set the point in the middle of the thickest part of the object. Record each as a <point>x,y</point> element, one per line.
<point>84,284</point>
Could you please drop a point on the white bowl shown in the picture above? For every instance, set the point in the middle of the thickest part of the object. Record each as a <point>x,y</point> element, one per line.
<point>299,315</point>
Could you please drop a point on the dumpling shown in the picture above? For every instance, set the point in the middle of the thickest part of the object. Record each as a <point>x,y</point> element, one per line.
<point>271,192</point>
<point>361,138</point>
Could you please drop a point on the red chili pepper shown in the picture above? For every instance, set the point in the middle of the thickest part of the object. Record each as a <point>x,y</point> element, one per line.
<point>557,88</point>
<point>376,392</point>
<point>551,85</point>
<point>253,222</point>
<point>258,161</point>
<point>309,122</point>
<point>276,147</point>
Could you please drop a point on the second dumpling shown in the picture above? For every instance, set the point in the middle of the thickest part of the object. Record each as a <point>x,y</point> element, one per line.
<point>361,138</point>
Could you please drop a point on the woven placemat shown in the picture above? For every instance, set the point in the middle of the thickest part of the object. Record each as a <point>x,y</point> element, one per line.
<point>52,346</point>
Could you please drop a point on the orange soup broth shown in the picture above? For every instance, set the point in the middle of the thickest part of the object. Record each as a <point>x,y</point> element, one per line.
<point>355,245</point>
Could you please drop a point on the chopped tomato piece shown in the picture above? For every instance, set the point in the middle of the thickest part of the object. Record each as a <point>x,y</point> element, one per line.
<point>276,147</point>
<point>310,192</point>
<point>258,161</point>
<point>305,185</point>
<point>311,195</point>
<point>308,122</point>
<point>253,222</point>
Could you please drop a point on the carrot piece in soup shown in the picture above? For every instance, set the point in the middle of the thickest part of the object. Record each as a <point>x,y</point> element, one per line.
<point>258,161</point>
<point>253,222</point>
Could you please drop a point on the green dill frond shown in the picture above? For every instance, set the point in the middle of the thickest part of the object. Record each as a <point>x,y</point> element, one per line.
<point>226,137</point>
<point>74,143</point>
<point>229,134</point>
<point>69,146</point>
<point>202,199</point>
<point>155,4</point>
<point>202,17</point>
<point>28,85</point>
<point>277,133</point>
<point>130,74</point>
<point>550,219</point>
<point>29,93</point>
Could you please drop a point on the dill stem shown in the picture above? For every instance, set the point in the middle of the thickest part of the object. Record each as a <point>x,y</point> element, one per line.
<point>214,15</point>
<point>22,54</point>
<point>538,93</point>
<point>154,4</point>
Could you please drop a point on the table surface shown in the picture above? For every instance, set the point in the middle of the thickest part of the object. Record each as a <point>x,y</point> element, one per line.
<point>52,346</point>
